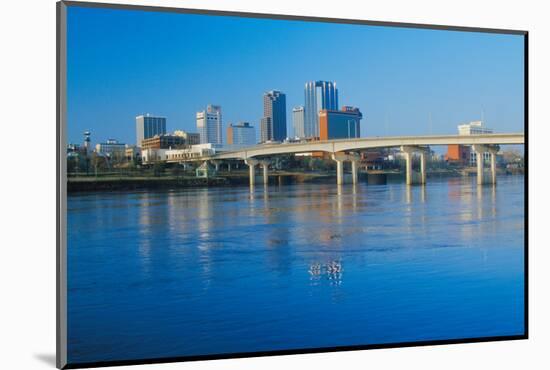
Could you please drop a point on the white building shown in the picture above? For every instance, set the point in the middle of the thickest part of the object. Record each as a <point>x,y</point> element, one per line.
<point>209,125</point>
<point>149,156</point>
<point>298,122</point>
<point>194,151</point>
<point>475,128</point>
<point>111,148</point>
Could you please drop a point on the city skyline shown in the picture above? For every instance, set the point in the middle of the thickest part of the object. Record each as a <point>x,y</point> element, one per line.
<point>460,77</point>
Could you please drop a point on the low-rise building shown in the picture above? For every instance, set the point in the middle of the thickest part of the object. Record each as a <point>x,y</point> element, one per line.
<point>373,160</point>
<point>191,138</point>
<point>111,148</point>
<point>462,154</point>
<point>339,124</point>
<point>163,142</point>
<point>474,128</point>
<point>195,151</point>
<point>149,156</point>
<point>459,154</point>
<point>132,152</point>
<point>241,134</point>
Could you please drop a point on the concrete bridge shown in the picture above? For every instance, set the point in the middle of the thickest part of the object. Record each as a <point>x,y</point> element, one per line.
<point>348,150</point>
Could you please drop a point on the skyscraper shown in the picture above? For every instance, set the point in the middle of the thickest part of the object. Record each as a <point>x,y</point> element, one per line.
<point>273,123</point>
<point>298,121</point>
<point>318,95</point>
<point>209,125</point>
<point>266,129</point>
<point>148,126</point>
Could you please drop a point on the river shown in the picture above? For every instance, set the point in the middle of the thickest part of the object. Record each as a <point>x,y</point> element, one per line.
<point>226,270</point>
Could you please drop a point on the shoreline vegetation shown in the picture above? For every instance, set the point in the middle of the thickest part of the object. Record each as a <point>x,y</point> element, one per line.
<point>123,182</point>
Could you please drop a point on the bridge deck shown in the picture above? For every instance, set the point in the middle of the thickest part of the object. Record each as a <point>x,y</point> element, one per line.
<point>358,144</point>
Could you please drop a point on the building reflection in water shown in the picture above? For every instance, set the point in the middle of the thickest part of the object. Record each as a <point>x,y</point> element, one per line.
<point>423,193</point>
<point>460,195</point>
<point>476,212</point>
<point>354,197</point>
<point>408,214</point>
<point>144,231</point>
<point>205,225</point>
<point>486,207</point>
<point>277,234</point>
<point>408,194</point>
<point>331,272</point>
<point>339,202</point>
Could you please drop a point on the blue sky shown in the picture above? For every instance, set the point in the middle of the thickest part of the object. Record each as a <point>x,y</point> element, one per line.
<point>122,63</point>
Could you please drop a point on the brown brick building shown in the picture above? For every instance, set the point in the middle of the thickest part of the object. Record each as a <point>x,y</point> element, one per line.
<point>458,154</point>
<point>164,142</point>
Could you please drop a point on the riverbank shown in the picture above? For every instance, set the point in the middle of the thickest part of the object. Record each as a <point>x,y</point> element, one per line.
<point>129,183</point>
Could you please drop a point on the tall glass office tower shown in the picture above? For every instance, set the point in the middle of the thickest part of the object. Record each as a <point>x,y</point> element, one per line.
<point>273,123</point>
<point>298,121</point>
<point>148,126</point>
<point>209,125</point>
<point>318,95</point>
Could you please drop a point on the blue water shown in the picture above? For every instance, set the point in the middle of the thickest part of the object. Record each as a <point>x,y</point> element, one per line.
<point>225,270</point>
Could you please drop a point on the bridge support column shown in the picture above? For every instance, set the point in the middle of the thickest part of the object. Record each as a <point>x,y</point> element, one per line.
<point>423,167</point>
<point>265,165</point>
<point>252,170</point>
<point>228,166</point>
<point>408,152</point>
<point>339,172</point>
<point>354,172</point>
<point>339,158</point>
<point>354,159</point>
<point>479,150</point>
<point>493,168</point>
<point>410,176</point>
<point>493,150</point>
<point>216,164</point>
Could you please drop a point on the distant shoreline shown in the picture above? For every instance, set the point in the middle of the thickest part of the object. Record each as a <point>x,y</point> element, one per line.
<point>117,183</point>
<point>76,184</point>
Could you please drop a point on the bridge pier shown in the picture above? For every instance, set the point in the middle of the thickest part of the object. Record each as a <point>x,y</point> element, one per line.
<point>493,150</point>
<point>339,158</point>
<point>480,150</point>
<point>410,178</point>
<point>339,171</point>
<point>407,151</point>
<point>265,165</point>
<point>216,164</point>
<point>354,171</point>
<point>251,170</point>
<point>423,167</point>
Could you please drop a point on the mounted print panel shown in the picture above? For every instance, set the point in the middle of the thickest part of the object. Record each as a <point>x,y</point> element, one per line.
<point>235,184</point>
